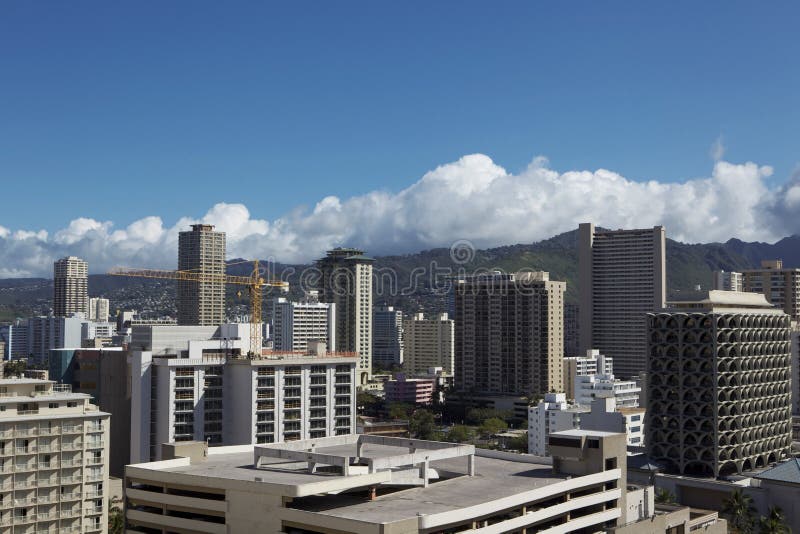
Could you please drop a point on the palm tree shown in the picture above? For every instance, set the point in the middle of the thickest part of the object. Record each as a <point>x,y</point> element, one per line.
<point>740,511</point>
<point>664,496</point>
<point>116,518</point>
<point>774,523</point>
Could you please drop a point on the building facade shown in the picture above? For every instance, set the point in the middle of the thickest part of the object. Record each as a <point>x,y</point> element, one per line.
<point>551,414</point>
<point>429,342</point>
<point>597,386</point>
<point>591,364</point>
<point>53,459</point>
<point>201,250</point>
<point>727,281</point>
<point>346,281</point>
<point>509,333</point>
<point>780,286</point>
<point>295,324</point>
<point>387,337</point>
<point>415,391</point>
<point>621,277</point>
<point>70,287</point>
<point>98,310</point>
<point>719,392</point>
<point>224,398</point>
<point>35,337</point>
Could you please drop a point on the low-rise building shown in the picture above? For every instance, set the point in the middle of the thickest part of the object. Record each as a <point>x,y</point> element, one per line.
<point>552,414</point>
<point>417,391</point>
<point>373,484</point>
<point>593,363</point>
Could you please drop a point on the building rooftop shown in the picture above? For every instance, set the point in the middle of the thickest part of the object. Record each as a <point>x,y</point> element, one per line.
<point>390,464</point>
<point>788,471</point>
<point>727,301</point>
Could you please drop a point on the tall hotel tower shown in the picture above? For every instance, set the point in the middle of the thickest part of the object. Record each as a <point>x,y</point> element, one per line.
<point>201,250</point>
<point>622,277</point>
<point>70,285</point>
<point>346,281</point>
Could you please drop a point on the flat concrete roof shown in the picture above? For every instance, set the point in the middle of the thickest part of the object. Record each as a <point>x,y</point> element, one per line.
<point>454,490</point>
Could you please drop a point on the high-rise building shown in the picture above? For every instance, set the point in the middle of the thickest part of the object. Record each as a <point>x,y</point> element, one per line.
<point>718,391</point>
<point>101,373</point>
<point>387,337</point>
<point>509,333</point>
<point>346,281</point>
<point>571,330</point>
<point>295,324</point>
<point>780,286</point>
<point>98,309</point>
<point>70,287</point>
<point>727,281</point>
<point>54,465</point>
<point>621,277</point>
<point>35,337</point>
<point>201,250</point>
<point>429,342</point>
<point>201,388</point>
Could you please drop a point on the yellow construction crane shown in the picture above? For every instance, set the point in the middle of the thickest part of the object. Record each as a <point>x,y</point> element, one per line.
<point>255,284</point>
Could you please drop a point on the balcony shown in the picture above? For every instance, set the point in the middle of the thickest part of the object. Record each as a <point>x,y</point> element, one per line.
<point>94,428</point>
<point>43,466</point>
<point>72,429</point>
<point>22,519</point>
<point>93,460</point>
<point>74,446</point>
<point>7,433</point>
<point>93,510</point>
<point>20,468</point>
<point>93,495</point>
<point>73,496</point>
<point>28,412</point>
<point>94,478</point>
<point>71,463</point>
<point>52,481</point>
<point>74,479</point>
<point>25,450</point>
<point>50,431</point>
<point>21,432</point>
<point>25,484</point>
<point>25,502</point>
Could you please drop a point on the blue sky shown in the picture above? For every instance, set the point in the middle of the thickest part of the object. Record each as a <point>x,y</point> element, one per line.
<point>117,111</point>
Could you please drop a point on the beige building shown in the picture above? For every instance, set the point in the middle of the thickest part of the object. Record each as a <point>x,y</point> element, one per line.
<point>429,342</point>
<point>201,250</point>
<point>346,281</point>
<point>53,459</point>
<point>70,287</point>
<point>780,286</point>
<point>382,485</point>
<point>621,277</point>
<point>98,310</point>
<point>727,281</point>
<point>509,333</point>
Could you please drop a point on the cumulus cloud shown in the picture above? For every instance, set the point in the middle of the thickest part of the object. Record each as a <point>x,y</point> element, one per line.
<point>473,198</point>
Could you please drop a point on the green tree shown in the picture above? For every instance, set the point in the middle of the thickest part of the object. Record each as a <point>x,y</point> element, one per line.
<point>664,496</point>
<point>422,425</point>
<point>367,403</point>
<point>116,518</point>
<point>492,426</point>
<point>519,443</point>
<point>399,410</point>
<point>458,434</point>
<point>774,523</point>
<point>739,510</point>
<point>15,367</point>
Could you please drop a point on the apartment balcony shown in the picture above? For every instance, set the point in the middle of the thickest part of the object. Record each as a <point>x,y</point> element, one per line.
<point>6,503</point>
<point>28,412</point>
<point>48,499</point>
<point>25,502</point>
<point>74,446</point>
<point>72,429</point>
<point>44,466</point>
<point>24,519</point>
<point>7,433</point>
<point>94,460</point>
<point>6,451</point>
<point>21,468</point>
<point>7,468</point>
<point>93,510</point>
<point>69,512</point>
<point>94,478</point>
<point>24,432</point>
<point>72,463</point>
<point>73,479</point>
<point>25,450</point>
<point>72,496</point>
<point>49,448</point>
<point>52,481</point>
<point>94,428</point>
<point>183,395</point>
<point>93,495</point>
<point>52,431</point>
<point>46,516</point>
<point>96,444</point>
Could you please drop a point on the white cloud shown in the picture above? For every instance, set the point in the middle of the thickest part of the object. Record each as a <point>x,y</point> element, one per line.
<point>472,198</point>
